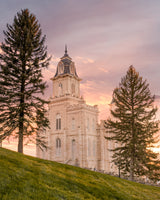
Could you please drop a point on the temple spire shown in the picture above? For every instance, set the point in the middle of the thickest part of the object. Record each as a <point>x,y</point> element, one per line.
<point>66,65</point>
<point>65,48</point>
<point>66,53</point>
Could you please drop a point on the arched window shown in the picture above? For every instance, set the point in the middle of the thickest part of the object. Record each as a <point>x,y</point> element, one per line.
<point>58,122</point>
<point>73,88</point>
<point>58,146</point>
<point>60,89</point>
<point>72,68</point>
<point>73,149</point>
<point>60,68</point>
<point>73,123</point>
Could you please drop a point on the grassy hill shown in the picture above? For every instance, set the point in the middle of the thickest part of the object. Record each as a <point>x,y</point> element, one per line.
<point>29,178</point>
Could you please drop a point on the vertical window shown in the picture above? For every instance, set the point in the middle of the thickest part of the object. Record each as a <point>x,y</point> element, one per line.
<point>58,122</point>
<point>73,88</point>
<point>60,67</point>
<point>60,89</point>
<point>73,123</point>
<point>58,146</point>
<point>73,149</point>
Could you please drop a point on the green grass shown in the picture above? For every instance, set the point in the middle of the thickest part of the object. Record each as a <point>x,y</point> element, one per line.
<point>29,178</point>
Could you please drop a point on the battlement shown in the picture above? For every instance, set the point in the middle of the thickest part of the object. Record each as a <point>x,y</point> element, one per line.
<point>82,106</point>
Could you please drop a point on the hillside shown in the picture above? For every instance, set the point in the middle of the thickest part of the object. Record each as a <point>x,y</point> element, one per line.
<point>29,178</point>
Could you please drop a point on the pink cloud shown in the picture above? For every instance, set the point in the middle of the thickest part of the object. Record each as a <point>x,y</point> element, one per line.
<point>83,60</point>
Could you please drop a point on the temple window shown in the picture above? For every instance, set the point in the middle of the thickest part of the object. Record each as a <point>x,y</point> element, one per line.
<point>73,88</point>
<point>73,149</point>
<point>58,146</point>
<point>58,122</point>
<point>60,89</point>
<point>60,68</point>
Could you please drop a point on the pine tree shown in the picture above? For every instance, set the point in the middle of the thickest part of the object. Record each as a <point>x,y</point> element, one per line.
<point>23,57</point>
<point>133,127</point>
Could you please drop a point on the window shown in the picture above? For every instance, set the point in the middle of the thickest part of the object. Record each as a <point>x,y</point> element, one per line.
<point>58,122</point>
<point>72,68</point>
<point>60,89</point>
<point>60,68</point>
<point>73,123</point>
<point>58,146</point>
<point>73,149</point>
<point>73,88</point>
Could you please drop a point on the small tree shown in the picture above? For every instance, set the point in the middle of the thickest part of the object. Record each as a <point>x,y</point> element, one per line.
<point>133,127</point>
<point>22,110</point>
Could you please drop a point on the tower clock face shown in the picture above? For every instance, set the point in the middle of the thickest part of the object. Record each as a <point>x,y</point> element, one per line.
<point>72,68</point>
<point>60,68</point>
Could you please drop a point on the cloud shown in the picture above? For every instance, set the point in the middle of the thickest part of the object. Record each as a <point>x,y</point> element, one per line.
<point>50,72</point>
<point>54,59</point>
<point>103,69</point>
<point>104,38</point>
<point>84,60</point>
<point>95,95</point>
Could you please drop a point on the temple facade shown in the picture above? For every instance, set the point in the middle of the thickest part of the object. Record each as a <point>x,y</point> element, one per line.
<point>75,137</point>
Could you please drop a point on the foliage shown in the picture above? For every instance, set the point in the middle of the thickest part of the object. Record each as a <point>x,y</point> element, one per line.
<point>22,110</point>
<point>133,127</point>
<point>29,178</point>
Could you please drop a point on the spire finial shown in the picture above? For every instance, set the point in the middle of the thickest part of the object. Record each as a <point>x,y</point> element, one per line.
<point>65,49</point>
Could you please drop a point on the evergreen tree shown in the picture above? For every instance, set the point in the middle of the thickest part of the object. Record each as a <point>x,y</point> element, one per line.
<point>24,55</point>
<point>133,127</point>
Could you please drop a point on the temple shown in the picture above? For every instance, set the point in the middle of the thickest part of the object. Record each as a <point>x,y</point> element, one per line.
<point>75,137</point>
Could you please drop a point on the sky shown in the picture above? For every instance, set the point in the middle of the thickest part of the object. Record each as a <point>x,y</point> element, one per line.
<point>103,37</point>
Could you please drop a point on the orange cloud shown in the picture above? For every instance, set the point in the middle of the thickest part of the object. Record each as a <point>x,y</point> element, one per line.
<point>12,143</point>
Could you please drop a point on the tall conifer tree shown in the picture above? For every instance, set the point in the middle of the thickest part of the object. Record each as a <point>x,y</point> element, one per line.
<point>24,55</point>
<point>133,126</point>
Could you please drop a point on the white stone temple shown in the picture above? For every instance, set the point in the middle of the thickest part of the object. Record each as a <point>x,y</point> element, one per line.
<point>75,137</point>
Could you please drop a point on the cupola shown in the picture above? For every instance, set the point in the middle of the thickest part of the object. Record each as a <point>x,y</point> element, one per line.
<point>66,66</point>
<point>66,81</point>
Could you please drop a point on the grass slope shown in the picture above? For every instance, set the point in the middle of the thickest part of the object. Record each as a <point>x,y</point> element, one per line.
<point>29,178</point>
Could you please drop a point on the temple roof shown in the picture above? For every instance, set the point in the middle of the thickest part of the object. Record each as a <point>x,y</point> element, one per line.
<point>66,66</point>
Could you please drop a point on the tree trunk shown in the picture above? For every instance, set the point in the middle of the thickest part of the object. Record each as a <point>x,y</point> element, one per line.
<point>21,127</point>
<point>20,140</point>
<point>132,134</point>
<point>21,114</point>
<point>119,172</point>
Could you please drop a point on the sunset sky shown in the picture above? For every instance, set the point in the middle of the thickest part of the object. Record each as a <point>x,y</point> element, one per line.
<point>104,38</point>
